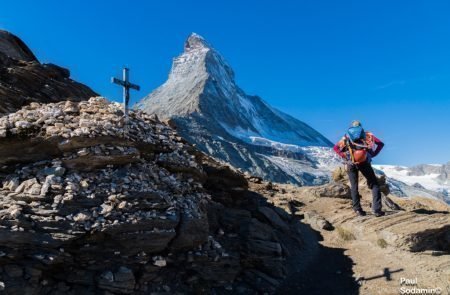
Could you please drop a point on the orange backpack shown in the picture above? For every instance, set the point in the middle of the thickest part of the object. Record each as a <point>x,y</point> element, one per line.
<point>358,151</point>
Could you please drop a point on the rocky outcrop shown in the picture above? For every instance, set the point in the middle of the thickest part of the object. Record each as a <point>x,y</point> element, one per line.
<point>23,79</point>
<point>13,47</point>
<point>90,204</point>
<point>202,99</point>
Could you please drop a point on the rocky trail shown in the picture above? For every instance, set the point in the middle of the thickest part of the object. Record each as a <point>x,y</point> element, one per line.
<point>369,255</point>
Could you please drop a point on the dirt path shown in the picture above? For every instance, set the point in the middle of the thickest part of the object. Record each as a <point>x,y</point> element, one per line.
<point>367,255</point>
<point>381,270</point>
<point>320,269</point>
<point>381,248</point>
<point>380,264</point>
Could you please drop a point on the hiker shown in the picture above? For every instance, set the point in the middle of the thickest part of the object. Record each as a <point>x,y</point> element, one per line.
<point>357,148</point>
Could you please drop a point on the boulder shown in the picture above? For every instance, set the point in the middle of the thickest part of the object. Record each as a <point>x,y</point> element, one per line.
<point>317,221</point>
<point>331,190</point>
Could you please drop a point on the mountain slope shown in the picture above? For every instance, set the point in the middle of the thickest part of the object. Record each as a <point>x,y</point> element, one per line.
<point>23,79</point>
<point>431,181</point>
<point>202,99</point>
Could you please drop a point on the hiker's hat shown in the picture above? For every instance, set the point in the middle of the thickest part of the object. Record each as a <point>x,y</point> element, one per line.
<point>356,123</point>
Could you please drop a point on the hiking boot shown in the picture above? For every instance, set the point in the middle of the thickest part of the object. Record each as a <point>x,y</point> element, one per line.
<point>379,213</point>
<point>360,212</point>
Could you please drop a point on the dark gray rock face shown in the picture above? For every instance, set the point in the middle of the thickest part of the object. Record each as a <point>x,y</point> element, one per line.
<point>203,101</point>
<point>24,80</point>
<point>91,207</point>
<point>13,47</point>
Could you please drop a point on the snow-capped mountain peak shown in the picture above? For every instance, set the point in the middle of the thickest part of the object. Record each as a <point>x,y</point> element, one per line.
<point>195,41</point>
<point>201,96</point>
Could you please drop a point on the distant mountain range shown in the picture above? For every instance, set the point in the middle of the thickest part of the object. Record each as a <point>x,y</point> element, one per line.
<point>422,180</point>
<point>202,99</point>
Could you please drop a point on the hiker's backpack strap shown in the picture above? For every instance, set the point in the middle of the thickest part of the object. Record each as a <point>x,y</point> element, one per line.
<point>349,147</point>
<point>358,152</point>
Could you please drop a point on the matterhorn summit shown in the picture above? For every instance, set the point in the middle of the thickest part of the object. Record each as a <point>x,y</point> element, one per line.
<point>195,41</point>
<point>202,99</point>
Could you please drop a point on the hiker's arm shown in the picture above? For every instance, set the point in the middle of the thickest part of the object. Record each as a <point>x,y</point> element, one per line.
<point>379,144</point>
<point>337,148</point>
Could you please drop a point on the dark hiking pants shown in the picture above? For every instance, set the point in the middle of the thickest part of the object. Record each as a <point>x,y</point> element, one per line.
<point>372,182</point>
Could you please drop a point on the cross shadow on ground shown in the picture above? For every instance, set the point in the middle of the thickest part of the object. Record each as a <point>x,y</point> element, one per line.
<point>386,274</point>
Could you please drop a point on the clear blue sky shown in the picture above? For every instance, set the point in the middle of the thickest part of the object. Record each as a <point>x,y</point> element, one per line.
<point>386,63</point>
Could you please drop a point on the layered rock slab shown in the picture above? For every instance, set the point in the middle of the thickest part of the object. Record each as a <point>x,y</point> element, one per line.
<point>91,203</point>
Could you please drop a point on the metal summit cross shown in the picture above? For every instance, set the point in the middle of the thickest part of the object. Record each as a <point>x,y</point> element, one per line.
<point>125,83</point>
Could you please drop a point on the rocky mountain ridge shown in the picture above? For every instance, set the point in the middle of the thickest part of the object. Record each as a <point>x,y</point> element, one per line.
<point>23,79</point>
<point>13,47</point>
<point>90,204</point>
<point>443,170</point>
<point>202,99</point>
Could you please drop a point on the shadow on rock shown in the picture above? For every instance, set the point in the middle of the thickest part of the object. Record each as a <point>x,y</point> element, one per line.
<point>387,275</point>
<point>319,269</point>
<point>428,212</point>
